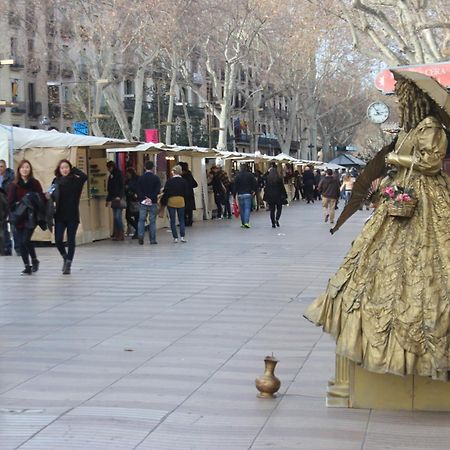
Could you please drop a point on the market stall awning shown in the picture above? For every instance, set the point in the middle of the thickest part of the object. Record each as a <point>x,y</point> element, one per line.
<point>176,150</point>
<point>283,157</point>
<point>23,138</point>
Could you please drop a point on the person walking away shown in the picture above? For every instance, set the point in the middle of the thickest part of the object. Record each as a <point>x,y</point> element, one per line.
<point>245,186</point>
<point>131,196</point>
<point>174,195</point>
<point>330,189</point>
<point>308,184</point>
<point>275,195</point>
<point>148,187</point>
<point>347,186</point>
<point>260,184</point>
<point>317,179</point>
<point>219,190</point>
<point>226,198</point>
<point>6,178</point>
<point>297,184</point>
<point>66,192</point>
<point>23,196</point>
<point>116,197</point>
<point>190,197</point>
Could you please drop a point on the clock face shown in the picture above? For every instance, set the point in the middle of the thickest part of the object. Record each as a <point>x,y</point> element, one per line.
<point>378,112</point>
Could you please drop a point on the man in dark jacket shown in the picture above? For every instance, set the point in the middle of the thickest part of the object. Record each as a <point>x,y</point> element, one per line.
<point>6,178</point>
<point>148,187</point>
<point>245,186</point>
<point>329,187</point>
<point>308,184</point>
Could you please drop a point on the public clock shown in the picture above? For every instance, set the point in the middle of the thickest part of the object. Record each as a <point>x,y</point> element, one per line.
<point>378,112</point>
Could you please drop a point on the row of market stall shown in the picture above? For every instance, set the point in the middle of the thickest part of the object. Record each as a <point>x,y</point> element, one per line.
<point>45,148</point>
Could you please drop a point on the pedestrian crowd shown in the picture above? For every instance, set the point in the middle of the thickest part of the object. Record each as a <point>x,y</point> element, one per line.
<point>25,206</point>
<point>327,186</point>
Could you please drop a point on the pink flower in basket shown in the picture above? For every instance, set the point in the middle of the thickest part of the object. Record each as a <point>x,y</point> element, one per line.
<point>389,191</point>
<point>403,198</point>
<point>406,198</point>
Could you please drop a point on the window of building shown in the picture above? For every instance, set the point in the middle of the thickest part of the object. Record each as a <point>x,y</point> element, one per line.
<point>31,93</point>
<point>128,88</point>
<point>53,94</point>
<point>14,47</point>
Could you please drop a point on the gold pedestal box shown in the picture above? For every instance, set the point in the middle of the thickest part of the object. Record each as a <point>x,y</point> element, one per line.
<point>392,392</point>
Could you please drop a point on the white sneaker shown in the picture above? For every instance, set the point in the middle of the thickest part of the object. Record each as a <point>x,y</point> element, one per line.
<point>183,240</point>
<point>175,241</point>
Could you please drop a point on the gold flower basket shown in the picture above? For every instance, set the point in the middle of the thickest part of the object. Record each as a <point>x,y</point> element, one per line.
<point>402,209</point>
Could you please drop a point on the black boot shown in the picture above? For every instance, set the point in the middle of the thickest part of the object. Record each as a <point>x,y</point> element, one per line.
<point>67,266</point>
<point>27,271</point>
<point>35,265</point>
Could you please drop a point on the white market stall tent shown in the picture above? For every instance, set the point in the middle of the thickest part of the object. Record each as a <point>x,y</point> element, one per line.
<point>45,148</point>
<point>194,156</point>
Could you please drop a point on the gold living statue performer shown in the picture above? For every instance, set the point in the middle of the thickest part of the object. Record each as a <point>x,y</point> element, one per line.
<point>388,306</point>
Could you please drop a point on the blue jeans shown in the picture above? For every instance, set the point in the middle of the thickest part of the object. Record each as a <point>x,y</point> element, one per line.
<point>71,227</point>
<point>117,215</point>
<point>245,206</point>
<point>151,210</point>
<point>173,212</point>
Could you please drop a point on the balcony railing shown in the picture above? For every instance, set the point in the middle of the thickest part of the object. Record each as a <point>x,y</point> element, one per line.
<point>66,72</point>
<point>13,19</point>
<point>18,64</point>
<point>20,108</point>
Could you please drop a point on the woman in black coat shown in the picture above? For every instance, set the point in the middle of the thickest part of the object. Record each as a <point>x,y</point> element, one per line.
<point>116,193</point>
<point>275,195</point>
<point>24,187</point>
<point>174,195</point>
<point>66,192</point>
<point>190,196</point>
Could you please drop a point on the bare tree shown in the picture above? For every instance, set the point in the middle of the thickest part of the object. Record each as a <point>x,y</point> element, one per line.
<point>397,32</point>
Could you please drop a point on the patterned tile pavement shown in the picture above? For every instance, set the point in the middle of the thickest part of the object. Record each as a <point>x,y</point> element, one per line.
<point>158,347</point>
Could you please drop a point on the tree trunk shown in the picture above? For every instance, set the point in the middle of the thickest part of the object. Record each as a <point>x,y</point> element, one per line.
<point>228,91</point>
<point>173,83</point>
<point>138,99</point>
<point>187,119</point>
<point>285,130</point>
<point>115,104</point>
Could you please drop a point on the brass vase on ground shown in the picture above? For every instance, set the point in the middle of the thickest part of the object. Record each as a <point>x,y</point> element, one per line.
<point>267,384</point>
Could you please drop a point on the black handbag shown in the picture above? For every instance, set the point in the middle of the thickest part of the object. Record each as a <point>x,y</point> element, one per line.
<point>118,203</point>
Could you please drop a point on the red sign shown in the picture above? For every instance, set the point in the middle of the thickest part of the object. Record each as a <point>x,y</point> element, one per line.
<point>151,135</point>
<point>384,81</point>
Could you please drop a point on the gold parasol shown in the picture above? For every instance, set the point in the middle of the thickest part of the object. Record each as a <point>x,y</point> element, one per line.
<point>432,88</point>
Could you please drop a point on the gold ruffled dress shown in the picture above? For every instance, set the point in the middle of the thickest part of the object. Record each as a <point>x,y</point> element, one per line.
<point>388,306</point>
